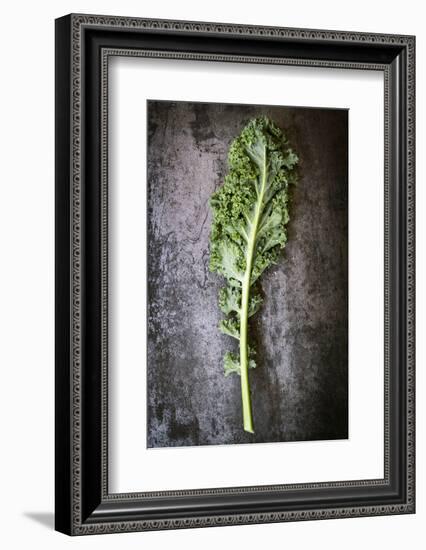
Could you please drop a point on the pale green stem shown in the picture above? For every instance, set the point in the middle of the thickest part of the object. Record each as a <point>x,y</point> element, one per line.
<point>245,300</point>
<point>245,386</point>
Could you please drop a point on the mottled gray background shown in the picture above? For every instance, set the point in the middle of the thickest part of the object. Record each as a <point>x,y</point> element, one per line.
<point>300,388</point>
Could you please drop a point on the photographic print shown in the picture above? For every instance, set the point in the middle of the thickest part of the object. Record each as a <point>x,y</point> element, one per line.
<point>247,274</point>
<point>203,197</point>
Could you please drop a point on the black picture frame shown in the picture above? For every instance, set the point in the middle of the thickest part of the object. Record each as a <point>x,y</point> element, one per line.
<point>83,46</point>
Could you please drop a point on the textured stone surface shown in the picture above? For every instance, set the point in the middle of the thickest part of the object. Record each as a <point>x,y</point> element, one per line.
<point>300,388</point>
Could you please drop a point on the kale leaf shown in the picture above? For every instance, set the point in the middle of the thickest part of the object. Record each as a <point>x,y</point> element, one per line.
<point>250,215</point>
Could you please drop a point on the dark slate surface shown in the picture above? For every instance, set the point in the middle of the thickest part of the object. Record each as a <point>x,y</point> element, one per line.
<point>299,389</point>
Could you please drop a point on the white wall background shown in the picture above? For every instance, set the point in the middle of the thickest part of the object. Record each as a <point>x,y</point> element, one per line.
<point>27,280</point>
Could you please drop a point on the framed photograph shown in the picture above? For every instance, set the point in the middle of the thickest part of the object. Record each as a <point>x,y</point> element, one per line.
<point>234,274</point>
